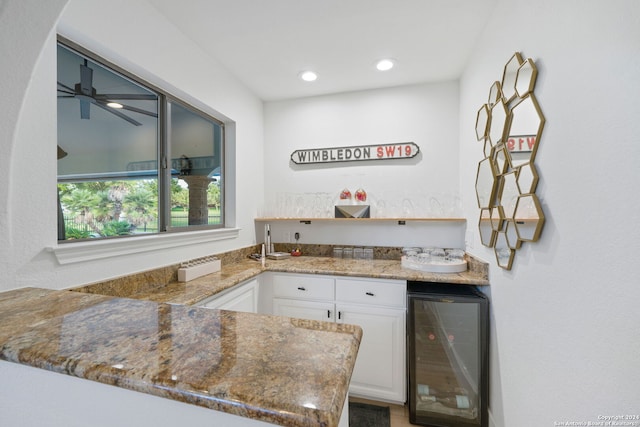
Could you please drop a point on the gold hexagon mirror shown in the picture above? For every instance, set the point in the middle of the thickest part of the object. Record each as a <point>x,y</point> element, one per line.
<point>495,93</point>
<point>523,129</point>
<point>482,122</point>
<point>529,218</point>
<point>508,194</point>
<point>497,218</point>
<point>499,115</point>
<point>485,183</point>
<point>510,125</point>
<point>504,254</point>
<point>487,235</point>
<point>526,78</point>
<point>527,178</point>
<point>488,148</point>
<point>511,232</point>
<point>509,76</point>
<point>499,156</point>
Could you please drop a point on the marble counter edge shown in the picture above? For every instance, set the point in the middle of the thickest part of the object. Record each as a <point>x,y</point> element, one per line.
<point>15,352</point>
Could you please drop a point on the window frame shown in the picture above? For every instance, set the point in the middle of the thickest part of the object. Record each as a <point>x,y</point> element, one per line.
<point>220,231</point>
<point>165,155</point>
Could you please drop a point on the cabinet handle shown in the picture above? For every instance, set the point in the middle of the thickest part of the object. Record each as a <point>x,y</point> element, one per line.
<point>371,294</point>
<point>339,315</point>
<point>328,314</point>
<point>301,288</point>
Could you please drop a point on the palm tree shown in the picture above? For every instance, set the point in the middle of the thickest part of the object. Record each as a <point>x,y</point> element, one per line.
<point>81,202</point>
<point>140,207</point>
<point>116,194</point>
<point>103,209</point>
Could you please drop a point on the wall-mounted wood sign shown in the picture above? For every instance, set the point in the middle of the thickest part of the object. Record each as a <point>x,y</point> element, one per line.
<point>401,150</point>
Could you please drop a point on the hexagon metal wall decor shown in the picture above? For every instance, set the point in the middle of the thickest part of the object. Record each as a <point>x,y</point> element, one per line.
<point>486,183</point>
<point>482,123</point>
<point>487,235</point>
<point>509,126</point>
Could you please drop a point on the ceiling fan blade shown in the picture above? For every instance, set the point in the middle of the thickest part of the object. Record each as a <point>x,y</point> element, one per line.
<point>66,91</point>
<point>84,108</point>
<point>66,96</point>
<point>66,87</point>
<point>86,79</point>
<point>118,113</point>
<point>139,110</point>
<point>143,97</point>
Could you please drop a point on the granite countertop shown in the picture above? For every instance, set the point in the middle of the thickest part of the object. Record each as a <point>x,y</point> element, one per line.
<point>140,333</point>
<point>232,273</point>
<point>261,367</point>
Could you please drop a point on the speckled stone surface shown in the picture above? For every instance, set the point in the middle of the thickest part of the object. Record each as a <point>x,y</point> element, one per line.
<point>376,268</point>
<point>261,367</point>
<point>236,269</point>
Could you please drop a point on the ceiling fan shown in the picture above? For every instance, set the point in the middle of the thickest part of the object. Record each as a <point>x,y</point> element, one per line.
<point>87,95</point>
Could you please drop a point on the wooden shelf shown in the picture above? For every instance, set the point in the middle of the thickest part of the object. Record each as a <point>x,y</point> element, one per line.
<point>361,220</point>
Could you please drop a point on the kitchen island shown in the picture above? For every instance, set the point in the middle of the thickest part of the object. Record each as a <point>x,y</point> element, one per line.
<point>255,368</point>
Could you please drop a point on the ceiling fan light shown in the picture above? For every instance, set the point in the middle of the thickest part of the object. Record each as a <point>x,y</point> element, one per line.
<point>115,105</point>
<point>385,64</point>
<point>308,76</point>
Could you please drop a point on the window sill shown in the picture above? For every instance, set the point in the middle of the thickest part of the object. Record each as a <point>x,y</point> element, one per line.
<point>70,253</point>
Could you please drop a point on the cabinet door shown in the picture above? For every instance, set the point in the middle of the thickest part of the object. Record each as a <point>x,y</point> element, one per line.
<point>244,297</point>
<point>312,310</point>
<point>380,366</point>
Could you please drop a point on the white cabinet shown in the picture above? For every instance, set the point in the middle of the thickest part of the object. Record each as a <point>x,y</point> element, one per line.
<point>380,368</point>
<point>377,306</point>
<point>242,297</point>
<point>313,310</point>
<point>305,287</point>
<point>304,296</point>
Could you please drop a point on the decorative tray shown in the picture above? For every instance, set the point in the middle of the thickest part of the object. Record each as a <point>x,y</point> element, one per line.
<point>435,267</point>
<point>278,255</point>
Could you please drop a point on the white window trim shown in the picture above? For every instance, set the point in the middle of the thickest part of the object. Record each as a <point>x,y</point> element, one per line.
<point>94,250</point>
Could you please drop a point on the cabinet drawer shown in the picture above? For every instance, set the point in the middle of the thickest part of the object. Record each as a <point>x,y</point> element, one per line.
<point>242,297</point>
<point>306,287</point>
<point>390,294</point>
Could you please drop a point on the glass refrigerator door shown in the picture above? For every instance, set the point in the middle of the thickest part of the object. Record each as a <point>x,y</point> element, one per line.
<point>445,366</point>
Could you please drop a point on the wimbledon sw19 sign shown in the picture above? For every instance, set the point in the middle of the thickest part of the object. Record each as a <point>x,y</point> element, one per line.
<point>401,150</point>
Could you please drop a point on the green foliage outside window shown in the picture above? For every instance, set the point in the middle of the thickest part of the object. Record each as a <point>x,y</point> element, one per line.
<point>118,208</point>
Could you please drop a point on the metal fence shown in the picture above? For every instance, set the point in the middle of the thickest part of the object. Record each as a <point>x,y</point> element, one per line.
<point>178,220</point>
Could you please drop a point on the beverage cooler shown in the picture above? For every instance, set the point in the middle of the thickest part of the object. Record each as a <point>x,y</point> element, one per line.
<point>448,355</point>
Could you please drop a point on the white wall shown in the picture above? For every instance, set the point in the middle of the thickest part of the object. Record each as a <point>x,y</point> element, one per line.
<point>426,114</point>
<point>565,322</point>
<point>145,43</point>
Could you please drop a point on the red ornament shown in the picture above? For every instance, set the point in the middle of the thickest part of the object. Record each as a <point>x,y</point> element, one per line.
<point>345,194</point>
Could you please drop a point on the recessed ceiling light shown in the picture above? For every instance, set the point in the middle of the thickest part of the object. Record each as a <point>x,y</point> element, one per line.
<point>384,64</point>
<point>114,105</point>
<point>308,76</point>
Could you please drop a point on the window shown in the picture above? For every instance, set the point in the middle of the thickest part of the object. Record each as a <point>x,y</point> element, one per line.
<point>132,159</point>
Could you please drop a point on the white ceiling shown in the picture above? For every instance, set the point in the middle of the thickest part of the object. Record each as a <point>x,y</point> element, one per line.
<point>267,43</point>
